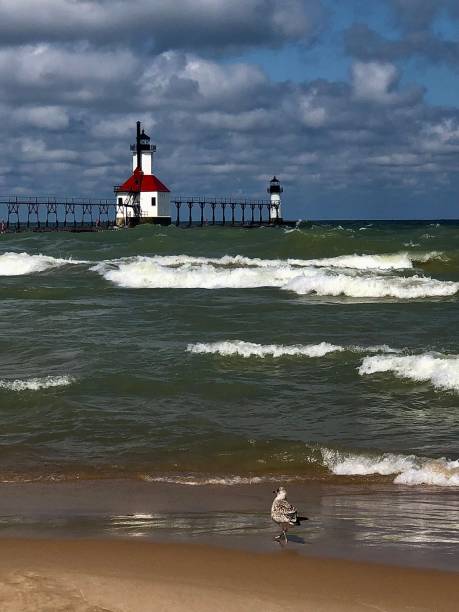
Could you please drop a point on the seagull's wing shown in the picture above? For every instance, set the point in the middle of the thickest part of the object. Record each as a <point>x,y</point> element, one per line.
<point>283,512</point>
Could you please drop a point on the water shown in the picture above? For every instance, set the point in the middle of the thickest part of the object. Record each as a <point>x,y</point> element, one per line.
<point>227,355</point>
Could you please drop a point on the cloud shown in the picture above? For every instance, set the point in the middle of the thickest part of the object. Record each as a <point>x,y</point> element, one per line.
<point>417,14</point>
<point>378,82</point>
<point>75,77</point>
<point>161,24</point>
<point>374,81</point>
<point>46,117</point>
<point>367,45</point>
<point>416,33</point>
<point>189,80</point>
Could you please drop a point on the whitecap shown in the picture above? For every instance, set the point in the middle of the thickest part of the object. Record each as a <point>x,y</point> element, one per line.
<point>240,348</point>
<point>194,481</point>
<point>184,272</point>
<point>251,349</point>
<point>35,384</point>
<point>18,264</point>
<point>389,261</point>
<point>442,371</point>
<point>330,283</point>
<point>301,276</point>
<point>407,469</point>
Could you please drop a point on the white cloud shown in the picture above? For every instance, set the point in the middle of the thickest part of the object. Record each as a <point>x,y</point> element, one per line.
<point>373,81</point>
<point>166,23</point>
<point>311,113</point>
<point>38,150</point>
<point>189,78</point>
<point>44,65</point>
<point>46,117</point>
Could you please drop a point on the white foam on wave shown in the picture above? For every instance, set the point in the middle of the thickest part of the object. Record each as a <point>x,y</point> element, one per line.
<point>35,384</point>
<point>390,261</point>
<point>251,349</point>
<point>184,272</point>
<point>244,349</point>
<point>18,264</point>
<point>442,371</point>
<point>193,481</point>
<point>331,283</point>
<point>301,276</point>
<point>407,469</point>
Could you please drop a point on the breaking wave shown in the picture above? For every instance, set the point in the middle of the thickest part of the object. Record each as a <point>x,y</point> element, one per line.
<point>183,272</point>
<point>330,283</point>
<point>18,264</point>
<point>402,469</point>
<point>35,384</point>
<point>441,371</point>
<point>196,481</point>
<point>315,276</point>
<point>251,349</point>
<point>395,261</point>
<point>408,469</point>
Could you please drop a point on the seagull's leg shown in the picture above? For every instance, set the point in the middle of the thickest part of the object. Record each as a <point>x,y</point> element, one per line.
<point>278,537</point>
<point>284,533</point>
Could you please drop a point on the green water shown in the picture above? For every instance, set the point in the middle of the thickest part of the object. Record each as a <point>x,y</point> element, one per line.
<point>131,400</point>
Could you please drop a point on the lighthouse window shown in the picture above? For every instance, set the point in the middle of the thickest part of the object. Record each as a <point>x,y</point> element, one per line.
<point>153,201</point>
<point>120,201</point>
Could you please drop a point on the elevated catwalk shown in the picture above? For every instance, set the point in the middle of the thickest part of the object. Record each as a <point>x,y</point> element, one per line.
<point>22,213</point>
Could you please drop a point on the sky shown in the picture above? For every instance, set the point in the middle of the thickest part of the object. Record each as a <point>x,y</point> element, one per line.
<point>353,104</point>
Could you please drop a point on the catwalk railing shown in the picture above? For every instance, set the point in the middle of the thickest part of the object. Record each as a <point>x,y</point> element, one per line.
<point>224,211</point>
<point>26,212</point>
<point>53,213</point>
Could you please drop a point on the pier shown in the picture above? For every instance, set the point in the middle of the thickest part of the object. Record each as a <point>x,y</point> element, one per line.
<point>225,211</point>
<point>142,198</point>
<point>55,214</point>
<point>41,214</point>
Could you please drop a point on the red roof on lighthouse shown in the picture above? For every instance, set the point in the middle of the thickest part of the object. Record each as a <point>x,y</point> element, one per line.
<point>139,181</point>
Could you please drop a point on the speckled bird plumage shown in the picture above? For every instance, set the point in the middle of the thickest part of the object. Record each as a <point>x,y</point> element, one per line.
<point>282,512</point>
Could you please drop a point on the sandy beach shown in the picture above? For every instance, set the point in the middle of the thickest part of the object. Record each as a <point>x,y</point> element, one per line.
<point>96,576</point>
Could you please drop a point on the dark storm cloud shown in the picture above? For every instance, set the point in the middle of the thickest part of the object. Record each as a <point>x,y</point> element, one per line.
<point>161,24</point>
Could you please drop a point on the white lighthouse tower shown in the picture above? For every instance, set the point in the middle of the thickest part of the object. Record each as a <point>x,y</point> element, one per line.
<point>143,198</point>
<point>275,190</point>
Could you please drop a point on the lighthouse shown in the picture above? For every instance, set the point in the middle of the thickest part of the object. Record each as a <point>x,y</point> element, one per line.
<point>143,198</point>
<point>274,190</point>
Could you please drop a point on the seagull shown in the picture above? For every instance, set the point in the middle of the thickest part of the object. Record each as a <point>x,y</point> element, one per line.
<point>284,514</point>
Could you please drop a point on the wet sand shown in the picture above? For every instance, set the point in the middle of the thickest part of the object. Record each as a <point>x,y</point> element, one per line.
<point>385,524</point>
<point>96,576</point>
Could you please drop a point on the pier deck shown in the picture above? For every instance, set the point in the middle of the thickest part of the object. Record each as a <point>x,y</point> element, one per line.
<point>43,213</point>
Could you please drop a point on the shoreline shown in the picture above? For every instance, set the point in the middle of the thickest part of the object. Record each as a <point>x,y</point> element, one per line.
<point>388,524</point>
<point>115,576</point>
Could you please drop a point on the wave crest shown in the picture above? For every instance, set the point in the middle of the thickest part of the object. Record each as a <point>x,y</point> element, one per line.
<point>18,264</point>
<point>329,283</point>
<point>251,349</point>
<point>244,349</point>
<point>440,370</point>
<point>408,469</point>
<point>35,384</point>
<point>196,481</point>
<point>318,276</point>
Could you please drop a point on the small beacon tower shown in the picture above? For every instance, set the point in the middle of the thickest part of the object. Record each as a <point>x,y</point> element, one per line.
<point>274,190</point>
<point>143,198</point>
